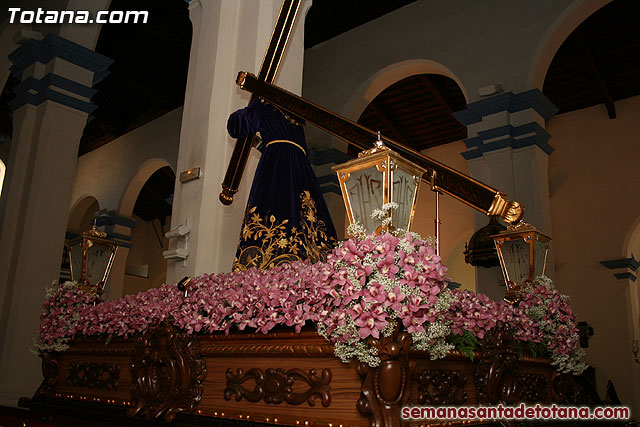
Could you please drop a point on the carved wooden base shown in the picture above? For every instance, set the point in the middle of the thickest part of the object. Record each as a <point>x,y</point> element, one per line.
<point>291,379</point>
<point>167,372</point>
<point>385,389</point>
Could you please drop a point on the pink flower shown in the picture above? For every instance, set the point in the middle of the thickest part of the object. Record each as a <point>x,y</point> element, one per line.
<point>371,325</point>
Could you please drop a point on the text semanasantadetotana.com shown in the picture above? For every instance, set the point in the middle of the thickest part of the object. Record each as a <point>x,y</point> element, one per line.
<point>521,412</point>
<point>41,16</point>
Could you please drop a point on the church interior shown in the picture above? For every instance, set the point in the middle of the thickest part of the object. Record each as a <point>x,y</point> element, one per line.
<point>125,126</point>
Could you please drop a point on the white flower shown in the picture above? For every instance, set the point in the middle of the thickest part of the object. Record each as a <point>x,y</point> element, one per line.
<point>389,206</point>
<point>357,230</point>
<point>378,214</point>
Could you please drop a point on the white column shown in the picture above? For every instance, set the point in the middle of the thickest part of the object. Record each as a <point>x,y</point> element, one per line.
<point>509,150</point>
<point>50,112</point>
<point>228,36</point>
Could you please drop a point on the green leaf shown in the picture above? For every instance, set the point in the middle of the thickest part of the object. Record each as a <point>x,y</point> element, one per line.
<point>465,343</point>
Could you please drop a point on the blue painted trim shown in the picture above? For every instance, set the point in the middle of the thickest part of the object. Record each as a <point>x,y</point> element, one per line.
<point>507,101</point>
<point>99,76</point>
<point>119,236</point>
<point>66,84</point>
<point>116,220</point>
<point>630,263</point>
<point>478,146</point>
<point>48,94</point>
<point>44,91</point>
<point>535,99</point>
<point>54,46</point>
<point>625,275</point>
<point>122,240</point>
<point>453,285</point>
<point>330,155</point>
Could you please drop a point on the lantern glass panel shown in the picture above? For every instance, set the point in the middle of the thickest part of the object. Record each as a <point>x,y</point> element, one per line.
<point>539,255</point>
<point>75,253</point>
<point>97,260</point>
<point>404,191</point>
<point>516,260</point>
<point>365,191</point>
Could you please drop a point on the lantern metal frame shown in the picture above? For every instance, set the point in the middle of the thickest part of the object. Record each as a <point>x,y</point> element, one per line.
<point>91,237</point>
<point>386,161</point>
<point>530,235</point>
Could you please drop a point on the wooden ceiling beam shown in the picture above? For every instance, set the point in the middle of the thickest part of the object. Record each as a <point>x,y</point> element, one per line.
<point>426,81</point>
<point>602,86</point>
<point>399,134</point>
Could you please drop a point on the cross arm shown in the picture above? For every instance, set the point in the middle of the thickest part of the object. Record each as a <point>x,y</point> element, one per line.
<point>268,70</point>
<point>441,177</point>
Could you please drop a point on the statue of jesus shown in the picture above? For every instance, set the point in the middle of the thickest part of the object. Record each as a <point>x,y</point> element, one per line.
<point>286,217</point>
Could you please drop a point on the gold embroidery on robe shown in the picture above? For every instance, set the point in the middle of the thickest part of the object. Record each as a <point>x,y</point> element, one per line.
<point>277,243</point>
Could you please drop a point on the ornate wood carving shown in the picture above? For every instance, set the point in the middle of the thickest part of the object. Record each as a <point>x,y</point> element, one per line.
<point>267,349</point>
<point>574,390</point>
<point>532,388</point>
<point>167,373</point>
<point>50,370</point>
<point>385,388</point>
<point>441,387</point>
<point>497,367</point>
<point>102,350</point>
<point>276,386</point>
<point>94,375</point>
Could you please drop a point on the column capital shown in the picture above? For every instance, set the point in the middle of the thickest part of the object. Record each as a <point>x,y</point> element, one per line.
<point>117,227</point>
<point>509,102</point>
<point>629,265</point>
<point>44,82</point>
<point>507,136</point>
<point>507,120</point>
<point>53,46</point>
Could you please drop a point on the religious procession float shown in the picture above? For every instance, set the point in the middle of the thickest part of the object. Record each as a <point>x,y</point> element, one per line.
<point>347,342</point>
<point>353,340</point>
<point>349,336</point>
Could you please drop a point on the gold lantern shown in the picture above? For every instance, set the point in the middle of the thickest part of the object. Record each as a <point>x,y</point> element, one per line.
<point>522,251</point>
<point>91,257</point>
<point>376,177</point>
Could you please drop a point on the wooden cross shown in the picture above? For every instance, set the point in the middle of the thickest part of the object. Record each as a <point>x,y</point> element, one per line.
<point>270,63</point>
<point>441,177</point>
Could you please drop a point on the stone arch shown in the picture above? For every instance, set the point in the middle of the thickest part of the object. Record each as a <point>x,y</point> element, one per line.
<point>79,211</point>
<point>85,35</point>
<point>3,170</point>
<point>125,279</point>
<point>556,34</point>
<point>631,248</point>
<point>130,194</point>
<point>631,245</point>
<point>390,74</point>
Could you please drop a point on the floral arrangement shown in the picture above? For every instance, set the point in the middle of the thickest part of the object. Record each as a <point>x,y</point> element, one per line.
<point>381,282</point>
<point>547,319</point>
<point>370,285</point>
<point>60,316</point>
